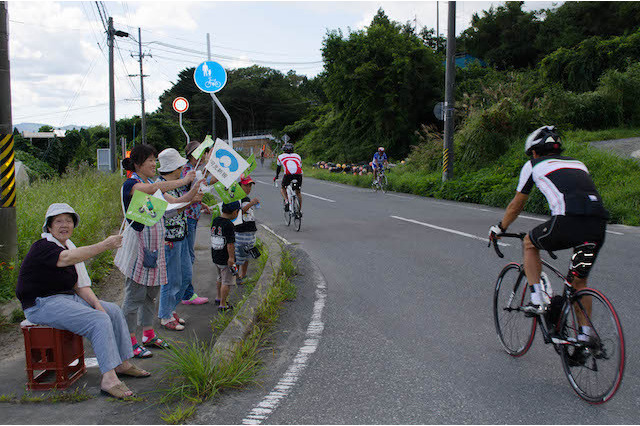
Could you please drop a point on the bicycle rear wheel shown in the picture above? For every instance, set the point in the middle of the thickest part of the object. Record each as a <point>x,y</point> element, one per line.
<point>287,216</point>
<point>515,330</point>
<point>297,217</point>
<point>594,369</point>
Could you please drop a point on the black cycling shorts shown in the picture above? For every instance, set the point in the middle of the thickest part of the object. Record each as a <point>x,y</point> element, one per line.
<point>287,179</point>
<point>564,232</point>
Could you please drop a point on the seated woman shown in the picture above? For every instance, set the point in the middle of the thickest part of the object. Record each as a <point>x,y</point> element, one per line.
<point>55,290</point>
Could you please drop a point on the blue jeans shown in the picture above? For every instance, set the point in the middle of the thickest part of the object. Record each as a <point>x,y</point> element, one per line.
<point>108,333</point>
<point>179,272</point>
<point>192,224</point>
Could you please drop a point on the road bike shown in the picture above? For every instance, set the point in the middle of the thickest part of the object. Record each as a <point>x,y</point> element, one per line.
<point>294,207</point>
<point>594,368</point>
<point>380,183</point>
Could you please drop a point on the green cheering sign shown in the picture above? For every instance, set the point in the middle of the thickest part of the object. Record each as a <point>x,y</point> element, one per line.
<point>252,165</point>
<point>234,193</point>
<point>145,208</point>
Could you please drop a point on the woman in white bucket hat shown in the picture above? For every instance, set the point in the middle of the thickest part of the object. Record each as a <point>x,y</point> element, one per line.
<point>55,290</point>
<point>176,250</point>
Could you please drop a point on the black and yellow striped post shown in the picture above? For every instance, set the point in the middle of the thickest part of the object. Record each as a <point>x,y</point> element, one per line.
<point>7,172</point>
<point>8,231</point>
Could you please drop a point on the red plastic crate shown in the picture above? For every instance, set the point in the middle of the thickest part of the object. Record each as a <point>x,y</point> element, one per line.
<point>49,353</point>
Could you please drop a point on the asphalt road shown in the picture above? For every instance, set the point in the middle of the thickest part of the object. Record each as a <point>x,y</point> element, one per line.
<point>408,334</point>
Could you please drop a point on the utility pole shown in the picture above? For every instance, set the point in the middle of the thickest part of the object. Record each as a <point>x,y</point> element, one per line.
<point>112,98</point>
<point>449,102</point>
<point>213,103</point>
<point>437,25</point>
<point>8,223</point>
<point>142,76</point>
<point>111,33</point>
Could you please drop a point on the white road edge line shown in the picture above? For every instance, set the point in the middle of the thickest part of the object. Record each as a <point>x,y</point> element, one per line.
<point>465,207</point>
<point>319,198</point>
<point>277,236</point>
<point>307,194</point>
<point>312,338</point>
<point>453,231</point>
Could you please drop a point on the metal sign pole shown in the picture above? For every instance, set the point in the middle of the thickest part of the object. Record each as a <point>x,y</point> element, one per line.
<point>183,130</point>
<point>229,123</point>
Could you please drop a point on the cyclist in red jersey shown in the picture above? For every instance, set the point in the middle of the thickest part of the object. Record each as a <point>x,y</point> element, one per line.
<point>292,165</point>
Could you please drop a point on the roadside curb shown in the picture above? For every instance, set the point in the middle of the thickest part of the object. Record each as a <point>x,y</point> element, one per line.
<point>243,321</point>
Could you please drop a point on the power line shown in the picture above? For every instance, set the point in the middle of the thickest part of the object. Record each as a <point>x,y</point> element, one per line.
<point>75,96</point>
<point>65,111</point>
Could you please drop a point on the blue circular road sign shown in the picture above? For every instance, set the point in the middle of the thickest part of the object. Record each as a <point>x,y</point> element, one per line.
<point>210,77</point>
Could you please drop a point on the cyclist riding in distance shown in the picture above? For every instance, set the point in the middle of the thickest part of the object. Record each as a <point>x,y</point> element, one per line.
<point>578,217</point>
<point>292,164</point>
<point>379,161</point>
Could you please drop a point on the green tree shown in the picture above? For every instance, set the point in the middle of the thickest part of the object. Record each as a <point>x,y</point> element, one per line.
<point>504,37</point>
<point>573,22</point>
<point>382,84</point>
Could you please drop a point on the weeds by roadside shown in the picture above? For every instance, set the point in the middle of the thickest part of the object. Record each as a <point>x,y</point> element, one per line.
<point>96,198</point>
<point>195,373</point>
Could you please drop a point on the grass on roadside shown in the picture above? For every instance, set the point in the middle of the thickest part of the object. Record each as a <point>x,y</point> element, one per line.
<point>195,373</point>
<point>617,179</point>
<point>95,196</point>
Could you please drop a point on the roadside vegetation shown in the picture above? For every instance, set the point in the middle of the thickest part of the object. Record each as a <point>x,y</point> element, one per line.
<point>195,373</point>
<point>95,197</point>
<point>617,179</point>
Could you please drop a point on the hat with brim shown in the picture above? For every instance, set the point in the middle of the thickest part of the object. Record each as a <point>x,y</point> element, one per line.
<point>191,146</point>
<point>56,209</point>
<point>246,181</point>
<point>170,160</point>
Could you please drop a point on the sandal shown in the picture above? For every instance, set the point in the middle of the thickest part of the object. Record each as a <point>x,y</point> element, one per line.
<point>225,308</point>
<point>134,371</point>
<point>177,318</point>
<point>118,391</point>
<point>140,351</point>
<point>173,325</point>
<point>158,342</point>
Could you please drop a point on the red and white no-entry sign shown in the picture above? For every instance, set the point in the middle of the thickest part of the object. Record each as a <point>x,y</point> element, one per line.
<point>180,105</point>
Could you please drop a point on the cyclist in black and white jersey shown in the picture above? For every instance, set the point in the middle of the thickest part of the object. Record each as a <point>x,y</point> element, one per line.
<point>578,217</point>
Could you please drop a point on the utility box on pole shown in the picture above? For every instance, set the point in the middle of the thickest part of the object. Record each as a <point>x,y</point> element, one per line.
<point>8,219</point>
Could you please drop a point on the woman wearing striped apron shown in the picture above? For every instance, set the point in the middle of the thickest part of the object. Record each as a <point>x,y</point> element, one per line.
<point>141,258</point>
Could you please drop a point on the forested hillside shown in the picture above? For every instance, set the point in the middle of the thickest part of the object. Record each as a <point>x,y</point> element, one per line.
<point>575,66</point>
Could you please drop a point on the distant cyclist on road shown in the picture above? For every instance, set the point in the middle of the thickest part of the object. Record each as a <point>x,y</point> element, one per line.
<point>578,217</point>
<point>292,164</point>
<point>379,161</point>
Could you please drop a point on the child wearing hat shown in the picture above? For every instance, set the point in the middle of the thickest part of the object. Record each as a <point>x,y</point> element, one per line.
<point>223,238</point>
<point>246,231</point>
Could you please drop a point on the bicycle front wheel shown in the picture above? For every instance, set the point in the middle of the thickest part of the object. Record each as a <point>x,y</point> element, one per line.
<point>383,183</point>
<point>515,330</point>
<point>594,368</point>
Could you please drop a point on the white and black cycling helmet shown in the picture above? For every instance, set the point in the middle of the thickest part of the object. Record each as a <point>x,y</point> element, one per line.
<point>288,148</point>
<point>545,138</point>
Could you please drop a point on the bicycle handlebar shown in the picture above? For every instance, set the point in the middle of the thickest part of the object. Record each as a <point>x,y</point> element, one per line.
<point>519,235</point>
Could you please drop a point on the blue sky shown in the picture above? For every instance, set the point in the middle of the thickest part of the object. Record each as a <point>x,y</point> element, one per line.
<point>58,53</point>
